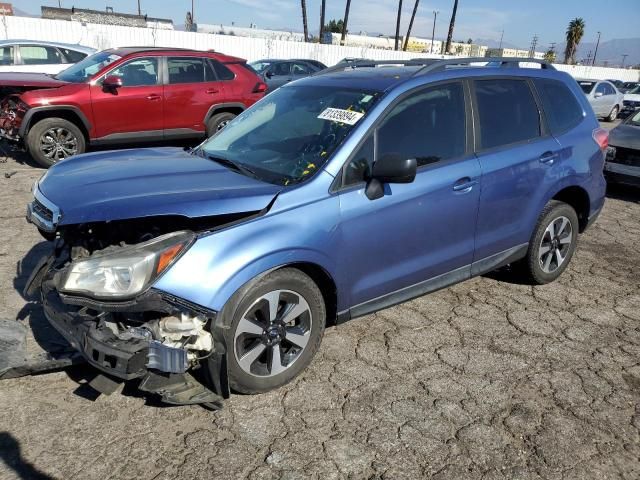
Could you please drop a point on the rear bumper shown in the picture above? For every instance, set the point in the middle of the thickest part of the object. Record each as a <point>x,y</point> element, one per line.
<point>620,173</point>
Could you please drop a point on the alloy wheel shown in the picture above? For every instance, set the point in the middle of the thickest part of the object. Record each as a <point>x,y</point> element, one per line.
<point>272,333</point>
<point>555,244</point>
<point>58,143</point>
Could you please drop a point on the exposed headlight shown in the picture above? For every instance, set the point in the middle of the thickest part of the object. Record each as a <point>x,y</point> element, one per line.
<point>128,271</point>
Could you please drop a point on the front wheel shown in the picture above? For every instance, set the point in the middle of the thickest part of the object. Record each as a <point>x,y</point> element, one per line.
<point>552,244</point>
<point>276,328</point>
<point>54,139</point>
<point>613,115</point>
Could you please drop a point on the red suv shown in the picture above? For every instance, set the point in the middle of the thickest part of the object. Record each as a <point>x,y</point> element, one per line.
<point>125,95</point>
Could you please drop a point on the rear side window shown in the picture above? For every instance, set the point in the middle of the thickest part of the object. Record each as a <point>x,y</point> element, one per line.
<point>189,70</point>
<point>222,72</point>
<point>39,55</point>
<point>508,112</point>
<point>561,108</point>
<point>72,56</point>
<point>6,55</point>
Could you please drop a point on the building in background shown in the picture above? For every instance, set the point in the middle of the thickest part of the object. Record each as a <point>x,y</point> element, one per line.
<point>108,17</point>
<point>423,45</point>
<point>6,8</point>
<point>512,53</point>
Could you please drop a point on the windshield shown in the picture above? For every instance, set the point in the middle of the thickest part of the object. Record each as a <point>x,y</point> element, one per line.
<point>587,86</point>
<point>634,119</point>
<point>291,133</point>
<point>635,90</point>
<point>260,66</point>
<point>87,68</point>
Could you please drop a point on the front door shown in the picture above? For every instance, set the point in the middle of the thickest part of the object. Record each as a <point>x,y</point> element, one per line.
<point>420,230</point>
<point>133,111</point>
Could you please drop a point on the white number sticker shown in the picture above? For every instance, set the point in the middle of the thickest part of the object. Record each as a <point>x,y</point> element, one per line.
<point>342,116</point>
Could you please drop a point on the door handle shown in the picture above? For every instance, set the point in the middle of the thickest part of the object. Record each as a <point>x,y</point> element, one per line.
<point>153,96</point>
<point>212,90</point>
<point>464,185</point>
<point>548,158</point>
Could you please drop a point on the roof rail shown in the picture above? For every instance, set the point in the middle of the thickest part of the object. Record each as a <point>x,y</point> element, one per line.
<point>431,65</point>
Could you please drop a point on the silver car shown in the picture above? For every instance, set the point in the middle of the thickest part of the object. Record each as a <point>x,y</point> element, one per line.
<point>39,56</point>
<point>604,97</point>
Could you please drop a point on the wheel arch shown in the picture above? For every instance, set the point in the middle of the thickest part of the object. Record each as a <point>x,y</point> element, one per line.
<point>236,108</point>
<point>68,112</point>
<point>578,198</point>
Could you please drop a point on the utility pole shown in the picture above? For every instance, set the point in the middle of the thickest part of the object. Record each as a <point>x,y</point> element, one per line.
<point>305,28</point>
<point>596,52</point>
<point>589,58</point>
<point>532,48</point>
<point>398,25</point>
<point>433,32</point>
<point>193,19</point>
<point>344,22</point>
<point>139,12</point>
<point>322,9</point>
<point>501,37</point>
<point>413,15</point>
<point>624,57</point>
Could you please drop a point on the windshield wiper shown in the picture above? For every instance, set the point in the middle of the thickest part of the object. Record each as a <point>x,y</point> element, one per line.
<point>239,167</point>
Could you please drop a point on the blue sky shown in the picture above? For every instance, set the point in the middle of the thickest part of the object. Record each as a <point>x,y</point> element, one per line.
<point>484,19</point>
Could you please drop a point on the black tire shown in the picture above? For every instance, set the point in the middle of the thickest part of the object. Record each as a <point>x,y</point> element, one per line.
<point>69,136</point>
<point>290,281</point>
<point>614,114</point>
<point>218,122</point>
<point>532,267</point>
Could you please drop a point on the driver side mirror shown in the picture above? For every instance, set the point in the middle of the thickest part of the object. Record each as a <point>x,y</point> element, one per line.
<point>390,168</point>
<point>112,82</point>
<point>269,74</point>
<point>597,95</point>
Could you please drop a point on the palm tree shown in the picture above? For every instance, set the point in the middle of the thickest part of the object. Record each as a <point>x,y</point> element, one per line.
<point>451,24</point>
<point>575,31</point>
<point>303,3</point>
<point>398,25</point>
<point>413,16</point>
<point>322,11</point>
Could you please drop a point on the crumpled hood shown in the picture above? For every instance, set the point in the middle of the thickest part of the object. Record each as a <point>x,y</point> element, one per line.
<point>28,79</point>
<point>634,97</point>
<point>118,185</point>
<point>626,136</point>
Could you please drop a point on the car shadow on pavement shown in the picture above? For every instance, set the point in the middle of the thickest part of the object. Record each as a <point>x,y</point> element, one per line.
<point>625,193</point>
<point>11,455</point>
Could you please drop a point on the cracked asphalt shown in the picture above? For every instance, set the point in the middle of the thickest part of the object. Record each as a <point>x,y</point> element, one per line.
<point>485,380</point>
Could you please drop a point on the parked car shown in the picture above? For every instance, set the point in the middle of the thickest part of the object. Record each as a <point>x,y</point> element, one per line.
<point>38,56</point>
<point>276,73</point>
<point>631,102</point>
<point>628,86</point>
<point>616,83</point>
<point>129,94</point>
<point>623,154</point>
<point>333,197</point>
<point>604,97</point>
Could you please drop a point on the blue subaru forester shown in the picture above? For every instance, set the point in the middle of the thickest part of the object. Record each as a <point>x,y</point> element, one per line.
<point>218,268</point>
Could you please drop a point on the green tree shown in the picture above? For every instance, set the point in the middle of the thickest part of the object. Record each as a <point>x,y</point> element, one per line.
<point>575,31</point>
<point>334,26</point>
<point>550,56</point>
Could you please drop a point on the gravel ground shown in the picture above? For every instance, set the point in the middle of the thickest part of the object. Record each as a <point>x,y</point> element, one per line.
<point>487,379</point>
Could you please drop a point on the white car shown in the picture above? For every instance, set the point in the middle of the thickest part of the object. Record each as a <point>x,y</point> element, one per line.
<point>631,101</point>
<point>40,57</point>
<point>604,97</point>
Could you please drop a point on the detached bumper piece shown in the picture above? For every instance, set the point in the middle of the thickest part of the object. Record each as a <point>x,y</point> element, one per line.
<point>123,343</point>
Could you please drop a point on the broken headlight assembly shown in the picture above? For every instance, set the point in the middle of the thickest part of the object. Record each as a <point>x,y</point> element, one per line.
<point>127,271</point>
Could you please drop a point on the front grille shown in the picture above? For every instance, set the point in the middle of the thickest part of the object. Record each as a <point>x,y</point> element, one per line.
<point>627,156</point>
<point>42,211</point>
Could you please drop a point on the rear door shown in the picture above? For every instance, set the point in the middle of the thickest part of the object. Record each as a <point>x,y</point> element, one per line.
<point>135,110</point>
<point>300,70</point>
<point>600,99</point>
<point>278,74</point>
<point>190,90</point>
<point>516,156</point>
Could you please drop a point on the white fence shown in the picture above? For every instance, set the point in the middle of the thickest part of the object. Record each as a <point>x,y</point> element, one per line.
<point>107,36</point>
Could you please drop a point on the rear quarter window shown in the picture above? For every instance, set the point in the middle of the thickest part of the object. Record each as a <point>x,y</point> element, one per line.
<point>507,111</point>
<point>222,72</point>
<point>561,108</point>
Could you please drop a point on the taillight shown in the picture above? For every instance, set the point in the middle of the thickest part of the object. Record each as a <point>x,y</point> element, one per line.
<point>260,87</point>
<point>601,136</point>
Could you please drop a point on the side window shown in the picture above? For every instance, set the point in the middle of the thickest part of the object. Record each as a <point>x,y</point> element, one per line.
<point>561,108</point>
<point>508,112</point>
<point>610,90</point>
<point>281,69</point>
<point>188,70</point>
<point>428,126</point>
<point>137,73</point>
<point>6,55</point>
<point>601,88</point>
<point>72,56</point>
<point>39,55</point>
<point>299,68</point>
<point>222,72</point>
<point>357,170</point>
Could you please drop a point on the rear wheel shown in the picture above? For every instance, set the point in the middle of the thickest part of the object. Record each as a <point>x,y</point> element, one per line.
<point>614,114</point>
<point>218,122</point>
<point>552,244</point>
<point>54,139</point>
<point>276,328</point>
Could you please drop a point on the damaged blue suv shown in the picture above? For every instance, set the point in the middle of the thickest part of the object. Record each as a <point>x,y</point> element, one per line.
<point>217,269</point>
